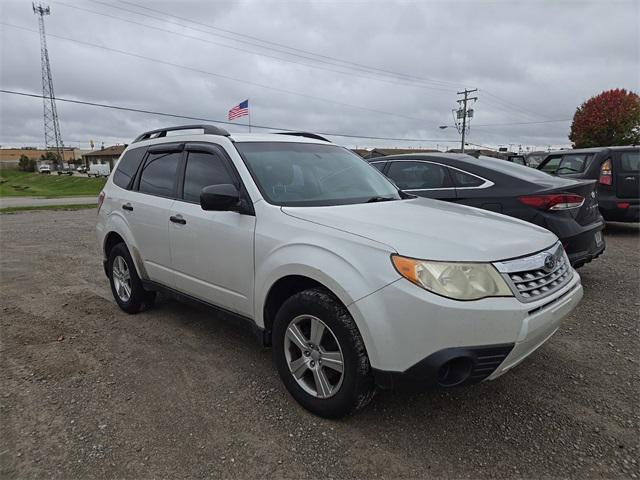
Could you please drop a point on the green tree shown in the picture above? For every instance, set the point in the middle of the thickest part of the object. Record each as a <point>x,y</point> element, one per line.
<point>610,118</point>
<point>26,164</point>
<point>50,157</point>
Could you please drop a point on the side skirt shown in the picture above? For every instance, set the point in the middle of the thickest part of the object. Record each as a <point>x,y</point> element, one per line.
<point>245,323</point>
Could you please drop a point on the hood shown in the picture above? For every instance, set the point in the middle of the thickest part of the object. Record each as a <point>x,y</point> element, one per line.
<point>433,230</point>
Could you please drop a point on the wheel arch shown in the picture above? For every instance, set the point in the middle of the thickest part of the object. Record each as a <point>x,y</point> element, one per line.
<point>118,231</point>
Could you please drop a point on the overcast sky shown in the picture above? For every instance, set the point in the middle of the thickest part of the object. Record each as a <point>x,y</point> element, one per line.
<point>376,68</point>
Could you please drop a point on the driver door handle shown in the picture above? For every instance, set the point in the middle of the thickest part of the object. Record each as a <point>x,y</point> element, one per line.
<point>178,219</point>
<point>128,207</point>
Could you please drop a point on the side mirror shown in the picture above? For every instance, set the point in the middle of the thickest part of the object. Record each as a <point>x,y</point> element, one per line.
<point>222,197</point>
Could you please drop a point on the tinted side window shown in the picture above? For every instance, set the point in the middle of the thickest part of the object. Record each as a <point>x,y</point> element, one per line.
<point>418,175</point>
<point>159,174</point>
<point>463,179</point>
<point>127,167</point>
<point>378,165</point>
<point>203,169</point>
<point>630,162</point>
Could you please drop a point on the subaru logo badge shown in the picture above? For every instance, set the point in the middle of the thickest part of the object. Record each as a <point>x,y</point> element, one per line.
<point>549,263</point>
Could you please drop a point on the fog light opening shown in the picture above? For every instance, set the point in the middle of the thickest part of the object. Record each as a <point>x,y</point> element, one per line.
<point>454,372</point>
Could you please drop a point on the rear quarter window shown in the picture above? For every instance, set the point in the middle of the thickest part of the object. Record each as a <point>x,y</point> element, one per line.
<point>630,162</point>
<point>128,166</point>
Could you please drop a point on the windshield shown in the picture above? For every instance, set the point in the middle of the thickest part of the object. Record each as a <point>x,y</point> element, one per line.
<point>310,174</point>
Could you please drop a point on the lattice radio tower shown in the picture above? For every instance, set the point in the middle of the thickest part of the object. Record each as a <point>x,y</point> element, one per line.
<point>52,136</point>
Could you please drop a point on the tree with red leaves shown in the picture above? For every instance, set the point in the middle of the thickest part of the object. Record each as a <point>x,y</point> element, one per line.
<point>610,118</point>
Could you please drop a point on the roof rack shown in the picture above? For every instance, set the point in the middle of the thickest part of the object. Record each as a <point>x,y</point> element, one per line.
<point>304,134</point>
<point>162,132</point>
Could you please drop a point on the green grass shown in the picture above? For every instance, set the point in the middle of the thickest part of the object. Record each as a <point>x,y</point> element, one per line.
<point>74,206</point>
<point>14,183</point>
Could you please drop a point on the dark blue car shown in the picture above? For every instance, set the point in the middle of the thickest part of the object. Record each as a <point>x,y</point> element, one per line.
<point>567,207</point>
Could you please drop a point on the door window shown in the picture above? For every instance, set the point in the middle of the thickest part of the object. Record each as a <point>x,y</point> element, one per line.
<point>418,175</point>
<point>203,169</point>
<point>159,174</point>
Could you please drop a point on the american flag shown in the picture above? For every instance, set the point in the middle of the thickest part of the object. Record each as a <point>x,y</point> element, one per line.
<point>239,110</point>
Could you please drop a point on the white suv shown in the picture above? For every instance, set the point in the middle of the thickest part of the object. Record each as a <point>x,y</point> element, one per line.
<point>354,283</point>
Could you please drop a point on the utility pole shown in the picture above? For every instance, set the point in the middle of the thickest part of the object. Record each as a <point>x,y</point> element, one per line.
<point>463,113</point>
<point>52,135</point>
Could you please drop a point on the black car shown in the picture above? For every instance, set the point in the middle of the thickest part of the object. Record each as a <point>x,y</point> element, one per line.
<point>566,207</point>
<point>617,170</point>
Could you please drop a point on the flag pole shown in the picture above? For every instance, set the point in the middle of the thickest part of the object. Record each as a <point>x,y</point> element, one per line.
<point>249,111</point>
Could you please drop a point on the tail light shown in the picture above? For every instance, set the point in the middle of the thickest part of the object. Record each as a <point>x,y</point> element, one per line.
<point>605,173</point>
<point>100,200</point>
<point>624,205</point>
<point>557,201</point>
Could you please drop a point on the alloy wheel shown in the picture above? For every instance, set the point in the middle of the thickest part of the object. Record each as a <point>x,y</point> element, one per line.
<point>121,278</point>
<point>314,356</point>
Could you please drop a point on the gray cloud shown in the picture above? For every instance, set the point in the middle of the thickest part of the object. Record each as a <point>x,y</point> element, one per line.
<point>541,59</point>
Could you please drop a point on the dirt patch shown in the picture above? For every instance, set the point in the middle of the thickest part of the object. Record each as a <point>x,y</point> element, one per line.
<point>91,392</point>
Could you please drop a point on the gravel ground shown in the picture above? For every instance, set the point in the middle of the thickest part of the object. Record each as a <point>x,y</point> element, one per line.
<point>91,392</point>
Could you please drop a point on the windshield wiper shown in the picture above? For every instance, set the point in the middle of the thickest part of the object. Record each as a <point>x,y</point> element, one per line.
<point>380,199</point>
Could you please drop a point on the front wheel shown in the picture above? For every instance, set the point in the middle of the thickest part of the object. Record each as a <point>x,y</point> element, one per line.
<point>125,283</point>
<point>320,355</point>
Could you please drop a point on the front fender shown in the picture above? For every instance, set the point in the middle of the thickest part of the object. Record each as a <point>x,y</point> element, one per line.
<point>349,275</point>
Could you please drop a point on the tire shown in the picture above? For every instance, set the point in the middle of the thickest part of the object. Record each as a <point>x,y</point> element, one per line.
<point>132,298</point>
<point>340,393</point>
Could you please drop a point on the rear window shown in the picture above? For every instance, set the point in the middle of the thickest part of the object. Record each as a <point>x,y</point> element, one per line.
<point>573,163</point>
<point>567,163</point>
<point>518,171</point>
<point>128,166</point>
<point>630,162</point>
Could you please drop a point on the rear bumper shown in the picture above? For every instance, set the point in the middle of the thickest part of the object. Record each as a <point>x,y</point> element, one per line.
<point>583,248</point>
<point>615,209</point>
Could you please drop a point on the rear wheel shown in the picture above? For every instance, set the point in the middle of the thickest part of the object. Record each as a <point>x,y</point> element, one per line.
<point>126,286</point>
<point>320,355</point>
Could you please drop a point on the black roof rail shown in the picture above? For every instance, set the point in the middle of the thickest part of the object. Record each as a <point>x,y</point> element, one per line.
<point>305,134</point>
<point>162,132</point>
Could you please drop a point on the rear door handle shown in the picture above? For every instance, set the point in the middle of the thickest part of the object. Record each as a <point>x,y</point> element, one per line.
<point>127,206</point>
<point>178,219</point>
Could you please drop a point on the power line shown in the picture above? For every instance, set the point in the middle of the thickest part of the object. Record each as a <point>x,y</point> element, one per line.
<point>219,75</point>
<point>508,104</point>
<point>513,106</point>
<point>522,123</point>
<point>307,52</point>
<point>260,54</point>
<point>186,117</point>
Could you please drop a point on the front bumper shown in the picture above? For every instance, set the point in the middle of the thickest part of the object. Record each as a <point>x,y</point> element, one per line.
<point>411,333</point>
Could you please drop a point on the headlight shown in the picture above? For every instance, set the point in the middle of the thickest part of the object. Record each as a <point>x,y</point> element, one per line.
<point>460,281</point>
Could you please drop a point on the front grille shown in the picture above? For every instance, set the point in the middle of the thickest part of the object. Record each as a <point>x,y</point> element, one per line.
<point>537,276</point>
<point>486,361</point>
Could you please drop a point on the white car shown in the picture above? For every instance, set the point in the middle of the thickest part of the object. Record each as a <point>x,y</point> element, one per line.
<point>355,284</point>
<point>44,169</point>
